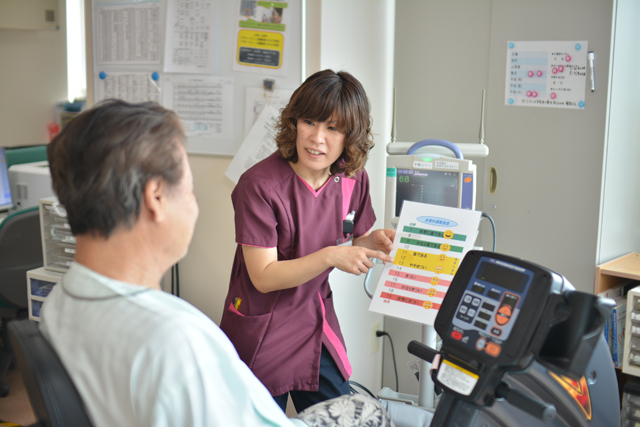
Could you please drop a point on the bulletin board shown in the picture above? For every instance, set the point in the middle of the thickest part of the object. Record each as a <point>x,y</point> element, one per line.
<point>208,60</point>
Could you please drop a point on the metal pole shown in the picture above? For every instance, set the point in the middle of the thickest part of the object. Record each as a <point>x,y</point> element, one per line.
<point>426,396</point>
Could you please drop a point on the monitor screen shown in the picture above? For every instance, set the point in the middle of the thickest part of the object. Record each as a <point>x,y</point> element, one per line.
<point>426,186</point>
<point>5,191</point>
<point>502,276</point>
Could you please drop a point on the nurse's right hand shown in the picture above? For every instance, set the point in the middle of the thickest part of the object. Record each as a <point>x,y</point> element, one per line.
<point>354,259</point>
<point>269,274</point>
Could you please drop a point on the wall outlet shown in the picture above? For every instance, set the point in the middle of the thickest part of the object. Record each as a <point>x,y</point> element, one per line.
<point>375,341</point>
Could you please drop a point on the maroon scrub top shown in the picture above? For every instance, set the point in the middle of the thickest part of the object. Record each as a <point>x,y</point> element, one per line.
<point>279,335</point>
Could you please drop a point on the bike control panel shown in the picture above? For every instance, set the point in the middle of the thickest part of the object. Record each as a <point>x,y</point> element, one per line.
<point>490,305</point>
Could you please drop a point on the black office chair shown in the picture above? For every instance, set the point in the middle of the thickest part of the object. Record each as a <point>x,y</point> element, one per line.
<point>55,400</point>
<point>21,249</point>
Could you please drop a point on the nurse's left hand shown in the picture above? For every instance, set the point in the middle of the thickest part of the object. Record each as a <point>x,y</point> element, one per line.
<point>383,239</point>
<point>380,240</point>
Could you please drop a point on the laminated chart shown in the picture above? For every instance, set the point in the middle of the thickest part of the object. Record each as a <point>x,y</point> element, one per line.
<point>546,73</point>
<point>429,245</point>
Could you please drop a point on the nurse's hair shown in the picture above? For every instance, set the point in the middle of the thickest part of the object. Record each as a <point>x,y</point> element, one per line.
<point>325,94</point>
<point>102,160</point>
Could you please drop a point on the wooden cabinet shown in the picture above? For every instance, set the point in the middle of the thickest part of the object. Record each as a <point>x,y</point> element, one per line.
<point>617,271</point>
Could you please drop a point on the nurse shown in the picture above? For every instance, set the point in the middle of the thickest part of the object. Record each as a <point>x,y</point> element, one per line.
<point>299,213</point>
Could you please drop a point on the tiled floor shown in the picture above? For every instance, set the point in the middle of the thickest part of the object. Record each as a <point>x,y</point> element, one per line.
<point>15,408</point>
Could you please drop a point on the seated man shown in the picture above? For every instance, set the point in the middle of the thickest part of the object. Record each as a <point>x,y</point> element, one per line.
<point>139,356</point>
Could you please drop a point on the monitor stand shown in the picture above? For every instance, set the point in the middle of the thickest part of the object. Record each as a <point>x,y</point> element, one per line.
<point>426,396</point>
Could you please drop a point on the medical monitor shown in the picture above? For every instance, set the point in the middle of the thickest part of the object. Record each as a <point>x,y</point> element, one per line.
<point>431,179</point>
<point>5,189</point>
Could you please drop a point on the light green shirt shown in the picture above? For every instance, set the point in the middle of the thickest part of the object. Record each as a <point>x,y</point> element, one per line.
<point>141,357</point>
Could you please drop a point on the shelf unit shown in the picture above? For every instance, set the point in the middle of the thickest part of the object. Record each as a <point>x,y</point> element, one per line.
<point>58,250</point>
<point>40,282</point>
<point>611,274</point>
<point>631,356</point>
<point>617,271</point>
<point>58,243</point>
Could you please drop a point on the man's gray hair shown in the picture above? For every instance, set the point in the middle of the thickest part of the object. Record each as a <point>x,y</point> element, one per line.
<point>102,160</point>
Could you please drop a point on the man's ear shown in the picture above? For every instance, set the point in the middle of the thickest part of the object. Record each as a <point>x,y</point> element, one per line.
<point>153,196</point>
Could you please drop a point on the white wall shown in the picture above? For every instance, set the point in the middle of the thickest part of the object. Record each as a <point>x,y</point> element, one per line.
<point>357,36</point>
<point>205,272</point>
<point>33,77</point>
<point>620,206</point>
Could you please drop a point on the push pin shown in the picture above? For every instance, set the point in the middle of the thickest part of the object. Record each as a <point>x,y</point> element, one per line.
<point>268,84</point>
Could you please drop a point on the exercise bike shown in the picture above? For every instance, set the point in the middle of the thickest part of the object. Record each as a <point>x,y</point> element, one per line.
<point>520,347</point>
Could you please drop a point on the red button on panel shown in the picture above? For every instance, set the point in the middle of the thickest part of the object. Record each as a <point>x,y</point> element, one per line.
<point>456,335</point>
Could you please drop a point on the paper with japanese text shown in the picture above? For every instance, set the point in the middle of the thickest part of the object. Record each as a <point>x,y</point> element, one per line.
<point>257,98</point>
<point>428,248</point>
<point>204,104</point>
<point>129,33</point>
<point>188,46</point>
<point>546,74</point>
<point>129,86</point>
<point>257,146</point>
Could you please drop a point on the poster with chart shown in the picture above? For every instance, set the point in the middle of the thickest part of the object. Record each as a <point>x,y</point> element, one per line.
<point>128,33</point>
<point>188,46</point>
<point>204,103</point>
<point>546,74</point>
<point>429,246</point>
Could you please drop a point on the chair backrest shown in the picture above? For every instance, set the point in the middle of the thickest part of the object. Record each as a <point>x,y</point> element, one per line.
<point>55,400</point>
<point>20,251</point>
<point>28,154</point>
